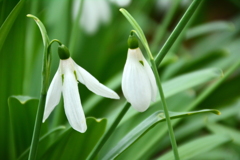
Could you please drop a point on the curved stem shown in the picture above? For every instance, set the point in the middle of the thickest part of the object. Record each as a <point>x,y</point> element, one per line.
<point>50,44</point>
<point>44,88</point>
<point>109,132</point>
<point>55,40</point>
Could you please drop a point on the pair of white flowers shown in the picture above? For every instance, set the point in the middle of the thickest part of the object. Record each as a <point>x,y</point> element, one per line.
<point>138,85</point>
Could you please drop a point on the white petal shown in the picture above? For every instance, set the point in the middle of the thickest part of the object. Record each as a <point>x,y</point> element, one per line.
<point>151,77</point>
<point>75,8</point>
<point>72,103</point>
<point>89,19</point>
<point>122,3</point>
<point>135,83</point>
<point>103,10</point>
<point>53,94</point>
<point>93,84</point>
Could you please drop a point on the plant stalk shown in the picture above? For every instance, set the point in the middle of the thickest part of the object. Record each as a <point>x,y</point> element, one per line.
<point>109,132</point>
<point>177,30</point>
<point>37,128</point>
<point>170,128</point>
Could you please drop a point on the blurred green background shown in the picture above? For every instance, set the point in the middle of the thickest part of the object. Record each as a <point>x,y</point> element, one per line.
<point>210,40</point>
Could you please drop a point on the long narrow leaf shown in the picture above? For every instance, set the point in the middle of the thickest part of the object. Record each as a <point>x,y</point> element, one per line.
<point>5,28</point>
<point>209,28</point>
<point>217,128</point>
<point>144,126</point>
<point>198,146</point>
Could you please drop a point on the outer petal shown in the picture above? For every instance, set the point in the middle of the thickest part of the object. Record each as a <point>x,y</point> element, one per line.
<point>53,95</point>
<point>93,84</point>
<point>135,83</point>
<point>151,77</point>
<point>122,3</point>
<point>72,103</point>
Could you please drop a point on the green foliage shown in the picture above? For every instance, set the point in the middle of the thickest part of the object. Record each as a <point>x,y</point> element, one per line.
<point>198,61</point>
<point>143,127</point>
<point>74,145</point>
<point>199,146</point>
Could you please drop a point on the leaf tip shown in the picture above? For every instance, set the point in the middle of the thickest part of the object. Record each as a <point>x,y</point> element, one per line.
<point>32,16</point>
<point>122,10</point>
<point>217,112</point>
<point>28,15</point>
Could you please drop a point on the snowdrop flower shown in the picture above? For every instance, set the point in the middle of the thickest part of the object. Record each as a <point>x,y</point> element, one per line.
<point>164,5</point>
<point>121,3</point>
<point>95,13</point>
<point>65,81</point>
<point>138,81</point>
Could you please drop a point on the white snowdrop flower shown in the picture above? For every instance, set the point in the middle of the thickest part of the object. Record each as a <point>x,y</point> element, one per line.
<point>94,13</point>
<point>65,81</point>
<point>164,5</point>
<point>121,3</point>
<point>138,81</point>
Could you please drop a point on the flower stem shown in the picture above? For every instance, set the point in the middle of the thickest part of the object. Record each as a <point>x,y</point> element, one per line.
<point>178,29</point>
<point>170,128</point>
<point>109,132</point>
<point>37,128</point>
<point>44,88</point>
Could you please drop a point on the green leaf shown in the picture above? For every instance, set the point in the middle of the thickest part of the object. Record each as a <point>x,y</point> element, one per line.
<point>23,99</point>
<point>42,30</point>
<point>175,103</point>
<point>22,112</point>
<point>144,126</point>
<point>43,142</point>
<point>198,146</point>
<point>194,125</point>
<point>189,80</point>
<point>217,128</point>
<point>171,87</point>
<point>47,57</point>
<point>6,26</point>
<point>74,145</point>
<point>217,26</point>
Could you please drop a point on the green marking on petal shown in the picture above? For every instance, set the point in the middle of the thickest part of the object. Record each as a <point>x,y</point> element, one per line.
<point>75,73</point>
<point>62,78</point>
<point>141,62</point>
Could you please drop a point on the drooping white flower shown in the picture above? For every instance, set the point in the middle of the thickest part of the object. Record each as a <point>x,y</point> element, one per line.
<point>65,81</point>
<point>121,3</point>
<point>95,13</point>
<point>164,5</point>
<point>138,81</point>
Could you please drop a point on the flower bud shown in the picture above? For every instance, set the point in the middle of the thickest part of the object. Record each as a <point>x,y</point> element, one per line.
<point>132,41</point>
<point>63,52</point>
